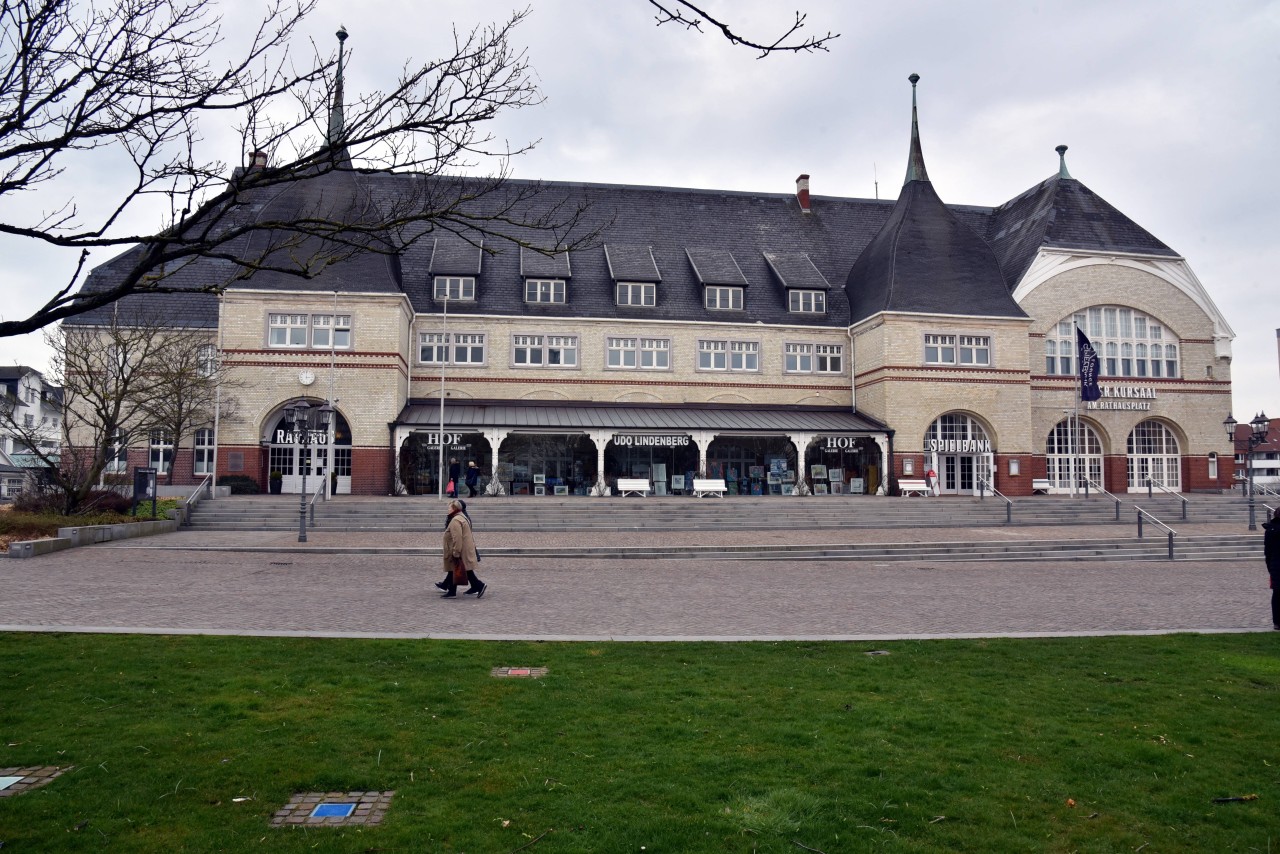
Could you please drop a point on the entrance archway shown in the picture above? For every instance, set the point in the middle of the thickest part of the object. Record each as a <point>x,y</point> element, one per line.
<point>961,454</point>
<point>1153,453</point>
<point>285,456</point>
<point>1077,451</point>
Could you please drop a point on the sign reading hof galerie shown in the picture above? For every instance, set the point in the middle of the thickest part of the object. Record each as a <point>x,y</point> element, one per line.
<point>626,440</point>
<point>1129,397</point>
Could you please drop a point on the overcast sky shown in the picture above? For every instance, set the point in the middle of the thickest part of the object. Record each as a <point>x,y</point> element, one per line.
<point>1169,109</point>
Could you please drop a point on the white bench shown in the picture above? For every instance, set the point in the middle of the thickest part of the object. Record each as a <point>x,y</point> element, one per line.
<point>913,487</point>
<point>708,486</point>
<point>1041,485</point>
<point>637,485</point>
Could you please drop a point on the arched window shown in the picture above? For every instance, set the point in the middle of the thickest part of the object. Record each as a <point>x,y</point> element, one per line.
<point>1075,451</point>
<point>1153,453</point>
<point>1128,342</point>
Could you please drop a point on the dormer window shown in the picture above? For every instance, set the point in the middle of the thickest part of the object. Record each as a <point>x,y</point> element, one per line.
<point>544,290</point>
<point>723,299</point>
<point>636,293</point>
<point>806,302</point>
<point>455,288</point>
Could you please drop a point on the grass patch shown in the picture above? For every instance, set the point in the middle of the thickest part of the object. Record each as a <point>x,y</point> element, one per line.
<point>939,746</point>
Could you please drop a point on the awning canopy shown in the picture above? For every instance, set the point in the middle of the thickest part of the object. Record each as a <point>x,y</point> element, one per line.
<point>551,416</point>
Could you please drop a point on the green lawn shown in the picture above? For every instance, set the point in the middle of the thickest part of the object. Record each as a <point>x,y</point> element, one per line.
<point>938,746</point>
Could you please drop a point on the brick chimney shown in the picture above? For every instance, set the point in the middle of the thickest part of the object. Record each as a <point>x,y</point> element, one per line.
<point>802,193</point>
<point>258,160</point>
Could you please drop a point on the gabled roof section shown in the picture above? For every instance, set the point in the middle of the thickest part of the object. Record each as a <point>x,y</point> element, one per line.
<point>537,265</point>
<point>715,266</point>
<point>453,256</point>
<point>1062,213</point>
<point>631,263</point>
<point>796,270</point>
<point>924,259</point>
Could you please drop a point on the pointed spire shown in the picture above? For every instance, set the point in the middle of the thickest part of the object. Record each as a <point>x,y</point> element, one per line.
<point>915,161</point>
<point>1062,162</point>
<point>337,121</point>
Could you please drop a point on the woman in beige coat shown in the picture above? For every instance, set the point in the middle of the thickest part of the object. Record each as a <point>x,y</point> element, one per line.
<point>460,549</point>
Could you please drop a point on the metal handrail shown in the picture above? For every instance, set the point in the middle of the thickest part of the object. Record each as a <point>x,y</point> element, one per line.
<point>1008,505</point>
<point>1271,511</point>
<point>193,499</point>
<point>1172,533</point>
<point>1150,494</point>
<point>321,492</point>
<point>1264,490</point>
<point>1103,490</point>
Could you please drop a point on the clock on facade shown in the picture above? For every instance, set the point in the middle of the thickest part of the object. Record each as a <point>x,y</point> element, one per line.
<point>306,377</point>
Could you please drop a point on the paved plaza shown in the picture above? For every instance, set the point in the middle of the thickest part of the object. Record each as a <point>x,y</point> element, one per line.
<point>364,585</point>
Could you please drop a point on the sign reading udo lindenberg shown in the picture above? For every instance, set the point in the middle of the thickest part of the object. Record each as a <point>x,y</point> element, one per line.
<point>632,440</point>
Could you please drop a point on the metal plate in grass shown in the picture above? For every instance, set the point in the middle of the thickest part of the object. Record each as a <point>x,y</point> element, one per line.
<point>333,809</point>
<point>518,672</point>
<point>15,781</point>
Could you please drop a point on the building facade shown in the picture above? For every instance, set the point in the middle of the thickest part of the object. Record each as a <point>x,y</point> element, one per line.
<point>30,414</point>
<point>785,342</point>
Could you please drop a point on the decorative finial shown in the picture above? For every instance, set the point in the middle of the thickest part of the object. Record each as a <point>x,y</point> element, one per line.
<point>915,159</point>
<point>1062,162</point>
<point>341,33</point>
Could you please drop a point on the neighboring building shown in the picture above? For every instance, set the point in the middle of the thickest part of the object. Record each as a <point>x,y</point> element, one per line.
<point>33,411</point>
<point>745,335</point>
<point>1266,457</point>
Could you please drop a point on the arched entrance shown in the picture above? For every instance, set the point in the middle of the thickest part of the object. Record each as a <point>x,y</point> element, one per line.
<point>284,455</point>
<point>1153,453</point>
<point>961,453</point>
<point>1073,448</point>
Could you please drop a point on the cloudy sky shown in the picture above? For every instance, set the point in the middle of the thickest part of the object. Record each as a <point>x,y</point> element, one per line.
<point>1169,108</point>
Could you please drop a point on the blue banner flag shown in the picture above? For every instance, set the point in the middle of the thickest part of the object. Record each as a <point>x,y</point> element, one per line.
<point>1088,358</point>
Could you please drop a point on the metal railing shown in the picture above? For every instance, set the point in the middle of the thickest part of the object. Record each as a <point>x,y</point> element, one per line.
<point>322,492</point>
<point>1102,489</point>
<point>984,485</point>
<point>1151,484</point>
<point>193,499</point>
<point>1271,511</point>
<point>1262,489</point>
<point>1172,533</point>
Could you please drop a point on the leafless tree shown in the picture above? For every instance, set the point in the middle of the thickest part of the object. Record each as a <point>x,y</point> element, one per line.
<point>133,81</point>
<point>692,17</point>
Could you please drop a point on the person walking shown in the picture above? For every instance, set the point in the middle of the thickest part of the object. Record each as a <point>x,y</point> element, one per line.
<point>455,473</point>
<point>473,478</point>
<point>459,554</point>
<point>1271,551</point>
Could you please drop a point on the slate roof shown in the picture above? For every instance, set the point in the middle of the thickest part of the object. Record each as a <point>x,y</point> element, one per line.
<point>681,239</point>
<point>557,415</point>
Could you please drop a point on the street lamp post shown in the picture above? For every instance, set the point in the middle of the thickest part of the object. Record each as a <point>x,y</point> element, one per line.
<point>1258,426</point>
<point>305,421</point>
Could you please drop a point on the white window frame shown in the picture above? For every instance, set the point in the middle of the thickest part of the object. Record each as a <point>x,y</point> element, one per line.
<point>715,354</point>
<point>939,348</point>
<point>974,351</point>
<point>637,353</point>
<point>642,294</point>
<point>203,458</point>
<point>160,451</point>
<point>1131,345</point>
<point>722,298</point>
<point>293,328</point>
<point>797,358</point>
<point>806,302</point>
<point>544,351</point>
<point>828,358</point>
<point>459,288</point>
<point>464,349</point>
<point>337,325</point>
<point>118,462</point>
<point>544,291</point>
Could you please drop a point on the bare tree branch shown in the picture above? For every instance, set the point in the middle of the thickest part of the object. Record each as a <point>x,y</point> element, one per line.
<point>674,12</point>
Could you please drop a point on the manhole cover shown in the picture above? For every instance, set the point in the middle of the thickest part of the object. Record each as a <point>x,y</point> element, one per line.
<point>331,809</point>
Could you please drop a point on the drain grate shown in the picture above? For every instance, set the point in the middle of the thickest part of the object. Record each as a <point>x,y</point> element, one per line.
<point>15,781</point>
<point>333,809</point>
<point>518,672</point>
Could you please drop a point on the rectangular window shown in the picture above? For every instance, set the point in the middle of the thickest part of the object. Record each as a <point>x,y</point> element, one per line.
<point>649,354</point>
<point>744,356</point>
<point>331,330</point>
<point>544,290</point>
<point>806,302</point>
<point>828,358</point>
<point>940,349</point>
<point>206,360</point>
<point>975,350</point>
<point>553,351</point>
<point>28,421</point>
<point>455,288</point>
<point>799,358</point>
<point>467,348</point>
<point>636,293</point>
<point>204,451</point>
<point>724,299</point>
<point>713,355</point>
<point>287,330</point>
<point>118,463</point>
<point>161,455</point>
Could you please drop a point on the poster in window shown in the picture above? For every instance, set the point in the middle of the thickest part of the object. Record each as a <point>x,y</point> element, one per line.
<point>835,475</point>
<point>818,472</point>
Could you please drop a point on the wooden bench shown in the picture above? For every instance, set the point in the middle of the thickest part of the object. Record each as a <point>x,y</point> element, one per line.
<point>1041,485</point>
<point>913,487</point>
<point>708,486</point>
<point>637,485</point>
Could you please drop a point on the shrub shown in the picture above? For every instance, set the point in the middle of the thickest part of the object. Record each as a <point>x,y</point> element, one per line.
<point>241,484</point>
<point>105,501</point>
<point>38,503</point>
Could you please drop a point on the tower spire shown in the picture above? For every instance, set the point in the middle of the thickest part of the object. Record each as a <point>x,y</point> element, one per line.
<point>915,160</point>
<point>1062,162</point>
<point>337,121</point>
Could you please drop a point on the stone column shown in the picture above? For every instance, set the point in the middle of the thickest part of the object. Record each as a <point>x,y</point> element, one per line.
<point>399,436</point>
<point>801,441</point>
<point>495,438</point>
<point>882,442</point>
<point>703,439</point>
<point>601,438</point>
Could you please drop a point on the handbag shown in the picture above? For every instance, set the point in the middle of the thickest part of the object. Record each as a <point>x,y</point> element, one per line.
<point>459,572</point>
<point>451,488</point>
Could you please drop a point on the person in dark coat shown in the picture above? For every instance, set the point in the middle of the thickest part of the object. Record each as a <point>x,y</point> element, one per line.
<point>459,554</point>
<point>473,478</point>
<point>1271,550</point>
